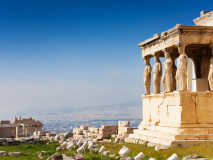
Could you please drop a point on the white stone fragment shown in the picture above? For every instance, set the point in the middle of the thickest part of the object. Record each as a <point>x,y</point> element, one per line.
<point>116,140</point>
<point>105,152</point>
<point>102,149</point>
<point>173,157</point>
<point>124,151</point>
<point>140,156</point>
<point>64,144</point>
<point>70,147</point>
<point>79,142</point>
<point>90,145</point>
<point>82,148</point>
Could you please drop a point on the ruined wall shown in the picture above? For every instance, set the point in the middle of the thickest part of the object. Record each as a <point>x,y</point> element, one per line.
<point>124,130</point>
<point>5,122</point>
<point>107,130</point>
<point>7,132</point>
<point>30,130</point>
<point>29,121</point>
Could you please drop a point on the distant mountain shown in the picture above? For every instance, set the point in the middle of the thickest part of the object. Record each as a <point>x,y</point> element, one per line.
<point>60,110</point>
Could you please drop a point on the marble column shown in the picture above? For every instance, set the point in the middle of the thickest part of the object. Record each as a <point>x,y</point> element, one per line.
<point>17,136</point>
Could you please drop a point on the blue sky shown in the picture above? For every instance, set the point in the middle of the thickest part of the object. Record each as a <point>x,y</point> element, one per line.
<point>69,53</point>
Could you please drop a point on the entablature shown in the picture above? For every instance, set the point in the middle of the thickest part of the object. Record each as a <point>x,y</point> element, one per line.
<point>179,35</point>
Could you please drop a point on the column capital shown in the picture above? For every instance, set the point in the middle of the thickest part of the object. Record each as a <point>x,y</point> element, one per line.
<point>156,54</point>
<point>181,48</point>
<point>168,50</point>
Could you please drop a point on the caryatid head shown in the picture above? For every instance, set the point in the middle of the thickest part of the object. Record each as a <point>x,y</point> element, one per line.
<point>156,57</point>
<point>167,52</point>
<point>146,61</point>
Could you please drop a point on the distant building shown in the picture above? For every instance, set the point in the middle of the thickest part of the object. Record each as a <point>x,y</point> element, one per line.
<point>20,127</point>
<point>7,129</point>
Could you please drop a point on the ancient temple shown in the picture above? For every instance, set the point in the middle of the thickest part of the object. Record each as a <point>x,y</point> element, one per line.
<point>183,113</point>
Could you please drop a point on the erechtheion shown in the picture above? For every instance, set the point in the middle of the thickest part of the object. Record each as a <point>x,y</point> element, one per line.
<point>183,113</point>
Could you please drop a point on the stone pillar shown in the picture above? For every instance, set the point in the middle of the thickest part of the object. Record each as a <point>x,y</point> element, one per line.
<point>157,74</point>
<point>17,136</point>
<point>181,74</point>
<point>23,127</point>
<point>26,131</point>
<point>194,85</point>
<point>200,71</point>
<point>167,71</point>
<point>147,76</point>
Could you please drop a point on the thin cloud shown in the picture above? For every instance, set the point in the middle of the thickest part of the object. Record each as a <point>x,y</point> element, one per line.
<point>116,73</point>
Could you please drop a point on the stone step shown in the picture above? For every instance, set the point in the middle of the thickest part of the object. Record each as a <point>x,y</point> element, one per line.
<point>179,130</point>
<point>135,136</point>
<point>173,143</point>
<point>194,137</point>
<point>155,134</point>
<point>171,136</point>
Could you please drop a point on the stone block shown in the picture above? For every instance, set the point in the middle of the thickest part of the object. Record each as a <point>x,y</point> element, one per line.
<point>123,124</point>
<point>14,153</point>
<point>84,127</point>
<point>42,133</point>
<point>2,139</point>
<point>50,135</point>
<point>55,156</point>
<point>3,153</point>
<point>10,140</point>
<point>174,114</point>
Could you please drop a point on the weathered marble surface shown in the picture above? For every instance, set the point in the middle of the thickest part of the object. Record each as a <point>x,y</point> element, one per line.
<point>167,73</point>
<point>210,77</point>
<point>147,76</point>
<point>157,74</point>
<point>181,74</point>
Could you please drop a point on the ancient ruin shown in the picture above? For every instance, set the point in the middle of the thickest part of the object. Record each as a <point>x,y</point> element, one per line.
<point>183,116</point>
<point>20,128</point>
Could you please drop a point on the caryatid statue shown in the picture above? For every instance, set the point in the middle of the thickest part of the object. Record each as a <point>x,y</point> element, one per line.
<point>174,70</point>
<point>210,76</point>
<point>167,72</point>
<point>147,76</point>
<point>157,74</point>
<point>181,74</point>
